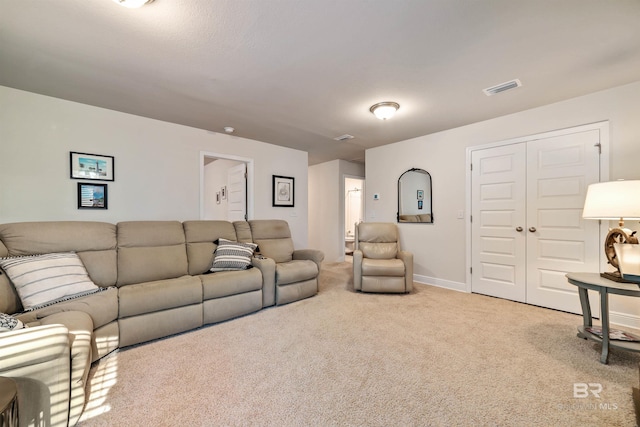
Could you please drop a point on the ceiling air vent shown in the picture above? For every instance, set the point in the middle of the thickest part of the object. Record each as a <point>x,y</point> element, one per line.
<point>490,91</point>
<point>343,137</point>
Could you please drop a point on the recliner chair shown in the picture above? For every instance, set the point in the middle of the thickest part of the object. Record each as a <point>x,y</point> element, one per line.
<point>379,265</point>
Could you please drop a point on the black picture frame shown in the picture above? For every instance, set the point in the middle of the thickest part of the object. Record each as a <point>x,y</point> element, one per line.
<point>92,196</point>
<point>91,166</point>
<point>283,191</point>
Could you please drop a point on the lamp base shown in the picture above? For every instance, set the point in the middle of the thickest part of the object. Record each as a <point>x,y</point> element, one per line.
<point>615,276</point>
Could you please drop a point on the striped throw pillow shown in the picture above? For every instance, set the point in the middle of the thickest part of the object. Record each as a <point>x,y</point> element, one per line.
<point>42,280</point>
<point>232,255</point>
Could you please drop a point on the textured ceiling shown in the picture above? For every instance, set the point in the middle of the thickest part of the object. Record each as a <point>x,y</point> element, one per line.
<point>298,73</point>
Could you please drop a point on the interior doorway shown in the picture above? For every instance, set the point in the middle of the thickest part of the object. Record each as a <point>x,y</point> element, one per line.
<point>353,209</point>
<point>226,187</point>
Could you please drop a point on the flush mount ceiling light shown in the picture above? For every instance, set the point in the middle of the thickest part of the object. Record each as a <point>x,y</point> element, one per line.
<point>132,4</point>
<point>384,110</point>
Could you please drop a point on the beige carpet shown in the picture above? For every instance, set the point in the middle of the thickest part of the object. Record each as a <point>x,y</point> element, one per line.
<point>434,357</point>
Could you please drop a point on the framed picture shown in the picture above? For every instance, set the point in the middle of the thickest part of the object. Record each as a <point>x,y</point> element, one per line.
<point>92,196</point>
<point>91,166</point>
<point>283,191</point>
<point>223,192</point>
<point>420,194</point>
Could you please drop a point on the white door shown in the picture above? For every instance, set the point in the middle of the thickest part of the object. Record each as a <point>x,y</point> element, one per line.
<point>498,212</point>
<point>527,227</point>
<point>237,193</point>
<point>559,170</point>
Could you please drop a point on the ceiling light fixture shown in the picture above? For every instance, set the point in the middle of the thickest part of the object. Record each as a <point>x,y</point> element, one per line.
<point>132,4</point>
<point>384,110</point>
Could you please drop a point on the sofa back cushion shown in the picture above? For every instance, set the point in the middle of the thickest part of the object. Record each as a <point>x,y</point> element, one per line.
<point>377,240</point>
<point>95,243</point>
<point>201,237</point>
<point>273,237</point>
<point>150,250</point>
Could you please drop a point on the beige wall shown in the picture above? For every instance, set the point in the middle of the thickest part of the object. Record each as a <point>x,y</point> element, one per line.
<point>157,164</point>
<point>439,248</point>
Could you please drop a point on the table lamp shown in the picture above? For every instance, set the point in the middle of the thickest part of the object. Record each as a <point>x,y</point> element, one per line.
<point>614,200</point>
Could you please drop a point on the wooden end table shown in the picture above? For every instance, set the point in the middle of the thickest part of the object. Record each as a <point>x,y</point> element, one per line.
<point>593,281</point>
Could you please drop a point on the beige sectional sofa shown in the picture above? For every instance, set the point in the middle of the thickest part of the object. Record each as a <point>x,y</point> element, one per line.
<point>156,282</point>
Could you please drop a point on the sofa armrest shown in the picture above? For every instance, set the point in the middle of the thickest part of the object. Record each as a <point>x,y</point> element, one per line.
<point>407,259</point>
<point>38,360</point>
<point>357,269</point>
<point>267,267</point>
<point>314,255</point>
<point>80,326</point>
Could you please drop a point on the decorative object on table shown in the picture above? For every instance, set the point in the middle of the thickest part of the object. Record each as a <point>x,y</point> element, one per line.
<point>91,166</point>
<point>92,196</point>
<point>283,191</point>
<point>614,334</point>
<point>614,200</point>
<point>628,257</point>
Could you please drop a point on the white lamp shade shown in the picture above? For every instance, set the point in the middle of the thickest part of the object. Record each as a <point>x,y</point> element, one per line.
<point>613,200</point>
<point>384,110</point>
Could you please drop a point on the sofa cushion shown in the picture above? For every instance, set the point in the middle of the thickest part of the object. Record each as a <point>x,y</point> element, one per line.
<point>150,250</point>
<point>159,295</point>
<point>45,279</point>
<point>200,236</point>
<point>295,271</point>
<point>102,307</point>
<point>279,250</point>
<point>273,236</point>
<point>230,256</point>
<point>226,283</point>
<point>378,250</point>
<point>382,267</point>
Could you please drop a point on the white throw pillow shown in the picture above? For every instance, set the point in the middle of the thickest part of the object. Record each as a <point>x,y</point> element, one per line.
<point>42,280</point>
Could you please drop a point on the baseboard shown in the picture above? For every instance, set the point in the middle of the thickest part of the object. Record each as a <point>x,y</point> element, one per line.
<point>441,283</point>
<point>624,319</point>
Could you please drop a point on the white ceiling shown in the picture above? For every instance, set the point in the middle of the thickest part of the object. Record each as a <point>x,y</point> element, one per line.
<point>298,73</point>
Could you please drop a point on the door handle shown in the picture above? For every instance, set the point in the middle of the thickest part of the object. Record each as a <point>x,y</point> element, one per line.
<point>518,229</point>
<point>532,229</point>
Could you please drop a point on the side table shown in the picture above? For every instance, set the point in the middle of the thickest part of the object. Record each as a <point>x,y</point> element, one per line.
<point>593,281</point>
<point>8,403</point>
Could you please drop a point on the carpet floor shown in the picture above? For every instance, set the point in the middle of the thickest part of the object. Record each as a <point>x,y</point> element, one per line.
<point>434,357</point>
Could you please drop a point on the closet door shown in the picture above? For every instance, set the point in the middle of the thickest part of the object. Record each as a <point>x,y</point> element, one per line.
<point>559,169</point>
<point>498,220</point>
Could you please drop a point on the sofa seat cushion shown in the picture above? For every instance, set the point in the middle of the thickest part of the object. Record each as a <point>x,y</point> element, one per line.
<point>226,283</point>
<point>295,271</point>
<point>159,295</point>
<point>382,267</point>
<point>101,306</point>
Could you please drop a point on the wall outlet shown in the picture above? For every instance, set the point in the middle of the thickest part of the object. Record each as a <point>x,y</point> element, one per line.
<point>376,196</point>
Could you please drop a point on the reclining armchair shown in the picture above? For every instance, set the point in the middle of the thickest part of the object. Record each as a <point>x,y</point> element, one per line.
<point>378,263</point>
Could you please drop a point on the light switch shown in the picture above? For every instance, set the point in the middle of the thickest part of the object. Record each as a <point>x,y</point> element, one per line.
<point>460,214</point>
<point>376,196</point>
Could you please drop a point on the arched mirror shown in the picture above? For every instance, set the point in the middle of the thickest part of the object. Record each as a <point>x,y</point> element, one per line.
<point>414,196</point>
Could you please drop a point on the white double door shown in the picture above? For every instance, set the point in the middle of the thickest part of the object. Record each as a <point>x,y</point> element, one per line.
<point>527,225</point>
